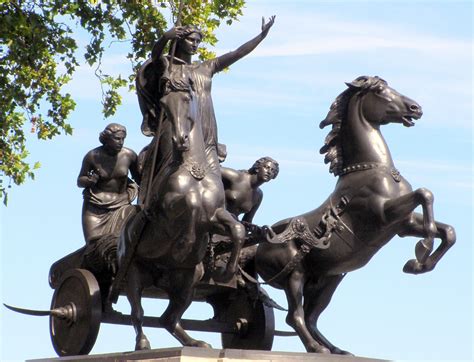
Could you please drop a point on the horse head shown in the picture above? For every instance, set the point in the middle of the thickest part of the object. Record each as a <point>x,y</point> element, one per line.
<point>381,104</point>
<point>179,104</point>
<point>368,103</point>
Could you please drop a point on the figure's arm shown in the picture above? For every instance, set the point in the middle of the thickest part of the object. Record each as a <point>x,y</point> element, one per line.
<point>228,59</point>
<point>248,217</point>
<point>88,177</point>
<point>159,47</point>
<point>229,176</point>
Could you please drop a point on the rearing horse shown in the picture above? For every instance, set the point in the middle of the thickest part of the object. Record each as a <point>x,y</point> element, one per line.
<point>371,204</point>
<point>187,205</point>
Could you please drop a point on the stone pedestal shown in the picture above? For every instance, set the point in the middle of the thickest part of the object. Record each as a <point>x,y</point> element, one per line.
<point>189,354</point>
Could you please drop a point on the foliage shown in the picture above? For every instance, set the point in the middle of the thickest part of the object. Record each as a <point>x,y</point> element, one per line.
<point>39,55</point>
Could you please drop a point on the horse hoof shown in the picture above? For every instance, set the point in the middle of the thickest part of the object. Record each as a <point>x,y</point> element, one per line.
<point>341,352</point>
<point>201,344</point>
<point>317,348</point>
<point>323,350</point>
<point>142,344</point>
<point>413,266</point>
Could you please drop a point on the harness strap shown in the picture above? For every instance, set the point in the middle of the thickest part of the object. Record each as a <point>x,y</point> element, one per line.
<point>318,238</point>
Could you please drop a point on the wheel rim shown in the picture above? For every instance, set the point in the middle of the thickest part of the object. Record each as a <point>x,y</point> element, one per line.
<point>256,322</point>
<point>75,332</point>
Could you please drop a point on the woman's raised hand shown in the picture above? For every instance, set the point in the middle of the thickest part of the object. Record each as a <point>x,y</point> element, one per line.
<point>266,27</point>
<point>176,32</point>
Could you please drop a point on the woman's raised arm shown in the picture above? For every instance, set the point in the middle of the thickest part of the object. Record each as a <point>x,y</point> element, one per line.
<point>228,59</point>
<point>159,47</point>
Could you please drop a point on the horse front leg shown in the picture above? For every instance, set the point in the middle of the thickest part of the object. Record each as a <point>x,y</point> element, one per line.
<point>317,295</point>
<point>401,207</point>
<point>415,227</point>
<point>182,284</point>
<point>134,294</point>
<point>293,287</point>
<point>184,210</point>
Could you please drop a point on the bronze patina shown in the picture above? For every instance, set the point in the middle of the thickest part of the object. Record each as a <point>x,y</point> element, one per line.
<point>191,236</point>
<point>370,205</point>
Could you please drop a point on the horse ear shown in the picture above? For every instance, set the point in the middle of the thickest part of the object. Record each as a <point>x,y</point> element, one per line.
<point>353,85</point>
<point>358,83</point>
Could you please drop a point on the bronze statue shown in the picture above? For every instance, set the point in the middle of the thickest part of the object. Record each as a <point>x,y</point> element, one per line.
<point>149,89</point>
<point>371,203</point>
<point>242,188</point>
<point>108,194</point>
<point>185,202</point>
<point>186,199</point>
<point>107,188</point>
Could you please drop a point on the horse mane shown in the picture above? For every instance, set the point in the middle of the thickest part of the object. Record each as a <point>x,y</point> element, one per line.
<point>176,81</point>
<point>337,115</point>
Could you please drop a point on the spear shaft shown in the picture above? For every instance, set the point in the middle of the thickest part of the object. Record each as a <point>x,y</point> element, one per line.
<point>122,271</point>
<point>160,119</point>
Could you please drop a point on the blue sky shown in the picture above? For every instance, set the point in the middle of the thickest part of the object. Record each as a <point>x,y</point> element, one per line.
<point>271,103</point>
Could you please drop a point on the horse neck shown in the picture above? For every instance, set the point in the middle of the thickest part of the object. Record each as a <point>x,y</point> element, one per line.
<point>197,147</point>
<point>362,141</point>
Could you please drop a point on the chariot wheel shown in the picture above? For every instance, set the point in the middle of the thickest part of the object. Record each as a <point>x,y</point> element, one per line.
<point>254,320</point>
<point>77,302</point>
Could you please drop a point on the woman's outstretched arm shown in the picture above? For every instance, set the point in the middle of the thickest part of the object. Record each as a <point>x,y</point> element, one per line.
<point>228,59</point>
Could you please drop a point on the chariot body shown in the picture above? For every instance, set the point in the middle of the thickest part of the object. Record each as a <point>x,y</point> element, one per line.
<point>243,315</point>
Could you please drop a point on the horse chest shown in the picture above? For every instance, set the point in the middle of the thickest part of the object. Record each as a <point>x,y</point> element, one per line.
<point>343,256</point>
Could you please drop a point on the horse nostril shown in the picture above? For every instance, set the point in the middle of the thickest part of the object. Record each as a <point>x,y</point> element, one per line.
<point>414,108</point>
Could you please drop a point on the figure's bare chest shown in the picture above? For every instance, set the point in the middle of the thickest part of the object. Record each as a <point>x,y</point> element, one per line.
<point>112,168</point>
<point>242,202</point>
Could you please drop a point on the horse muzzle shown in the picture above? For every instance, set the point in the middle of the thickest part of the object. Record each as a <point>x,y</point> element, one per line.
<point>181,142</point>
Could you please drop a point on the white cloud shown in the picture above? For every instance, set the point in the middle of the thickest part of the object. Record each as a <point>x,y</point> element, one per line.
<point>311,32</point>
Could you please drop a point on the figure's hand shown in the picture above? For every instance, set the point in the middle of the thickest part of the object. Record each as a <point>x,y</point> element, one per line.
<point>270,235</point>
<point>266,27</point>
<point>93,176</point>
<point>176,32</point>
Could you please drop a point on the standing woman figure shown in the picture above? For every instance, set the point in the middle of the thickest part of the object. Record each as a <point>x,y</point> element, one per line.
<point>187,40</point>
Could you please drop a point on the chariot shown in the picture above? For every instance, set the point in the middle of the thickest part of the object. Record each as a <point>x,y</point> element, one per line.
<point>79,305</point>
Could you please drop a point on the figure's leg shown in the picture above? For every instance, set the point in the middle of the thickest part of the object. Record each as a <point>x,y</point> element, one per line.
<point>317,296</point>
<point>135,281</point>
<point>294,294</point>
<point>415,227</point>
<point>237,234</point>
<point>182,283</point>
<point>401,207</point>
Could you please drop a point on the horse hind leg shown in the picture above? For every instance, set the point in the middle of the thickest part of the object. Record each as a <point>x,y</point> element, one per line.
<point>182,283</point>
<point>415,227</point>
<point>134,294</point>
<point>296,316</point>
<point>317,296</point>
